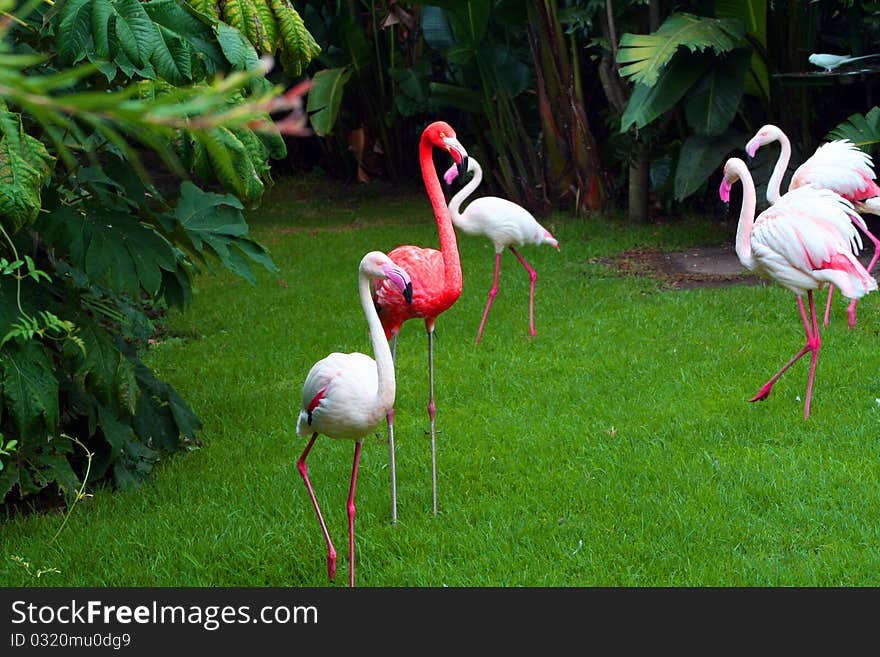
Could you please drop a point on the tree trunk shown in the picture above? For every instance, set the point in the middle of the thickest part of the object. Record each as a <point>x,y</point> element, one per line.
<point>639,183</point>
<point>638,178</point>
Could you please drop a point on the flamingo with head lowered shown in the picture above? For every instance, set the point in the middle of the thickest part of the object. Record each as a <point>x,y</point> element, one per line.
<point>348,395</point>
<point>505,223</point>
<point>805,240</point>
<point>436,281</point>
<point>836,165</point>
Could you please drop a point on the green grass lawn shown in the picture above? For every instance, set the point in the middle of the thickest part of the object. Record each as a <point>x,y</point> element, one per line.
<point>617,448</point>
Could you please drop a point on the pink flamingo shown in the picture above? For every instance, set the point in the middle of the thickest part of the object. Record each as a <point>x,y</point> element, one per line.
<point>803,241</point>
<point>505,223</point>
<point>836,165</point>
<point>348,395</point>
<point>436,278</point>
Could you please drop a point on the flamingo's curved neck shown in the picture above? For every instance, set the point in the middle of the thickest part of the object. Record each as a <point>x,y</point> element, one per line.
<point>448,244</point>
<point>775,182</point>
<point>746,217</point>
<point>381,350</point>
<point>464,192</point>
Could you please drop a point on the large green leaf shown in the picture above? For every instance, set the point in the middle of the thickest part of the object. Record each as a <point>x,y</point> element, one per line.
<point>298,47</point>
<point>216,226</point>
<point>173,57</point>
<point>207,8</point>
<point>102,12</point>
<point>700,157</point>
<point>185,419</point>
<point>114,249</point>
<point>242,15</point>
<point>135,30</point>
<point>116,431</point>
<point>25,166</point>
<point>470,21</point>
<point>436,28</point>
<point>170,15</point>
<point>101,363</point>
<point>449,95</point>
<point>459,30</point>
<point>861,130</point>
<point>647,103</point>
<point>325,97</point>
<point>645,55</point>
<point>30,389</point>
<point>469,24</point>
<point>54,467</point>
<point>232,164</point>
<point>237,49</point>
<point>753,14</point>
<point>712,104</point>
<point>513,73</point>
<point>75,30</point>
<point>411,88</point>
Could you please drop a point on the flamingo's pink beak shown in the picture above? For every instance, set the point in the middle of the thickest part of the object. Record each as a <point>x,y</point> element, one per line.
<point>724,190</point>
<point>401,279</point>
<point>451,174</point>
<point>753,146</point>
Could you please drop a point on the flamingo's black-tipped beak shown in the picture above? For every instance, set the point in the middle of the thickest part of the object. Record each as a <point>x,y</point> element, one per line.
<point>407,292</point>
<point>458,153</point>
<point>462,167</point>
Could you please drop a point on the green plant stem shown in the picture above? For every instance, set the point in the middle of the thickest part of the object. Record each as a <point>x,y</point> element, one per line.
<point>80,493</point>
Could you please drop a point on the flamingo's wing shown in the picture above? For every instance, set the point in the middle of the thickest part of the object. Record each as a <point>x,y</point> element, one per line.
<point>426,269</point>
<point>805,233</point>
<point>841,167</point>
<point>502,221</point>
<point>338,393</point>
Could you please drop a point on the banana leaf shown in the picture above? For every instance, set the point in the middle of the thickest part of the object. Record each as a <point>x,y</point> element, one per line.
<point>647,103</point>
<point>646,55</point>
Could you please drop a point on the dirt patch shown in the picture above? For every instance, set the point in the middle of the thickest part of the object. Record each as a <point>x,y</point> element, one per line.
<point>696,267</point>
<point>682,270</point>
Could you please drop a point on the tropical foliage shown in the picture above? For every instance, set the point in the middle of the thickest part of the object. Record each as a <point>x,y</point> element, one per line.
<point>99,236</point>
<point>134,135</point>
<point>863,130</point>
<point>390,68</point>
<point>707,88</point>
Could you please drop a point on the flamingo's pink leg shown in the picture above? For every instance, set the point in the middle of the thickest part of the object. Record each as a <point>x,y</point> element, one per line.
<point>432,411</point>
<point>876,255</point>
<point>331,551</point>
<point>533,276</point>
<point>851,309</point>
<point>812,344</point>
<point>390,420</point>
<point>492,294</point>
<point>351,510</point>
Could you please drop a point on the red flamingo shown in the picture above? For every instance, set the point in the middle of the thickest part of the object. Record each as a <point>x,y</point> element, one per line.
<point>348,395</point>
<point>436,281</point>
<point>803,241</point>
<point>836,165</point>
<point>505,223</point>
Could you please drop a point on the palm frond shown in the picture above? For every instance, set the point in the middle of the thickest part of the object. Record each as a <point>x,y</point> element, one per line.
<point>863,130</point>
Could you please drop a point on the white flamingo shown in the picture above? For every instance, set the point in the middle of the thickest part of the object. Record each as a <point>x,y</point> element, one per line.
<point>505,223</point>
<point>803,241</point>
<point>836,165</point>
<point>348,395</point>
